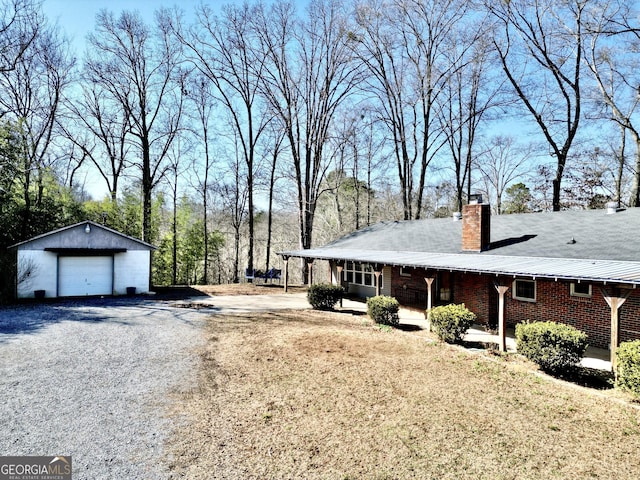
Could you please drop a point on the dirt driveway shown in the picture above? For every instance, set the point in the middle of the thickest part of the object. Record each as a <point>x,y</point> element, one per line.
<point>94,378</point>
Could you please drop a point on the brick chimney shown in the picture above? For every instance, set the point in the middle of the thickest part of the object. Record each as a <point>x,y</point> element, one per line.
<point>476,227</point>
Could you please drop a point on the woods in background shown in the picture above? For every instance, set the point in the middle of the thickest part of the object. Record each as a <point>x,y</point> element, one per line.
<point>225,134</point>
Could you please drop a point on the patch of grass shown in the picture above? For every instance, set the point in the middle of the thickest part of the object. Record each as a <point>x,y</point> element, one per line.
<point>315,395</point>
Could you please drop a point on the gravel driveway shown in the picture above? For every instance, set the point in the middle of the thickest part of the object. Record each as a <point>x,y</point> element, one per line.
<point>93,379</point>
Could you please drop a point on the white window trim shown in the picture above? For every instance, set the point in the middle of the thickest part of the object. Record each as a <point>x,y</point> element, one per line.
<point>525,299</point>
<point>362,270</point>
<point>578,294</point>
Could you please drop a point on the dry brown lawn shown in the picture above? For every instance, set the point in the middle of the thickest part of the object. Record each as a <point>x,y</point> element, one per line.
<point>319,395</point>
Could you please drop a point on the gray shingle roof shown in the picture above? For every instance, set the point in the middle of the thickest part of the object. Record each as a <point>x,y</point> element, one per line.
<point>590,245</point>
<point>596,235</point>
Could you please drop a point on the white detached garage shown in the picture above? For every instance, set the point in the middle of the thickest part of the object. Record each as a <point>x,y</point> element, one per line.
<point>80,260</point>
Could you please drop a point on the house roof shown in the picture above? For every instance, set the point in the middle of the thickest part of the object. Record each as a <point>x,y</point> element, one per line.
<point>48,240</point>
<point>580,245</point>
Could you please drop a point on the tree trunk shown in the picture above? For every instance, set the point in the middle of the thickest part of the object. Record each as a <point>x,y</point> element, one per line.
<point>147,187</point>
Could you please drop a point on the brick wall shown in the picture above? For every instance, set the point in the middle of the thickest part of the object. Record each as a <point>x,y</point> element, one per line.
<point>630,318</point>
<point>553,302</point>
<point>411,289</point>
<point>478,295</point>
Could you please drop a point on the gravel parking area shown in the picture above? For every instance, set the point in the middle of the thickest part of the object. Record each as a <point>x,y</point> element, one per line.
<point>93,379</point>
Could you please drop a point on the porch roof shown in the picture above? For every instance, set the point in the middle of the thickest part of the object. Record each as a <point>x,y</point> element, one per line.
<point>591,270</point>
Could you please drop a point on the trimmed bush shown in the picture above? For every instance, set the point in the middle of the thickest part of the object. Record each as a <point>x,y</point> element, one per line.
<point>324,296</point>
<point>451,322</point>
<point>383,310</point>
<point>628,367</point>
<point>553,346</point>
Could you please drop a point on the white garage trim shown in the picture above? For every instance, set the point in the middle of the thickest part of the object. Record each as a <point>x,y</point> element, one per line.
<point>85,275</point>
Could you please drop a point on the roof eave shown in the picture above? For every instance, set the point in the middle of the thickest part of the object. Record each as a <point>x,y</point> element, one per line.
<point>85,222</point>
<point>383,257</point>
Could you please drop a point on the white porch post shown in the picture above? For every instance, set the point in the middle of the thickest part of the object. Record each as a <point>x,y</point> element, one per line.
<point>377,271</point>
<point>502,324</point>
<point>615,300</point>
<point>310,268</point>
<point>286,274</point>
<point>339,268</point>
<point>429,281</point>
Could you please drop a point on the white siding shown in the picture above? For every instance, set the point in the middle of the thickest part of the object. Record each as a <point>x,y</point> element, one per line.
<point>42,276</point>
<point>131,269</point>
<point>386,284</point>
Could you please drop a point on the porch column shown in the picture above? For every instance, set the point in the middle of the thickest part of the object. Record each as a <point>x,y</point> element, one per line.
<point>330,272</point>
<point>286,274</point>
<point>339,268</point>
<point>310,268</point>
<point>615,300</point>
<point>429,281</point>
<point>377,271</point>
<point>502,324</point>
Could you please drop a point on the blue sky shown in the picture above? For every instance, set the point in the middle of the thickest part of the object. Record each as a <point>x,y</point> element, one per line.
<point>78,17</point>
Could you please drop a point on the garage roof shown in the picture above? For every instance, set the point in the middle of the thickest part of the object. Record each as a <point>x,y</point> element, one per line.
<point>76,237</point>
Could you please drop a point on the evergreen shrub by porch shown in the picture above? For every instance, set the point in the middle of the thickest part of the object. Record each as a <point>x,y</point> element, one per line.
<point>383,310</point>
<point>324,296</point>
<point>628,367</point>
<point>553,346</point>
<point>451,322</point>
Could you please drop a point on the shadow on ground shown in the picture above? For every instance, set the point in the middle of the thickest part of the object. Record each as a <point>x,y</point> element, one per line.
<point>30,315</point>
<point>177,293</point>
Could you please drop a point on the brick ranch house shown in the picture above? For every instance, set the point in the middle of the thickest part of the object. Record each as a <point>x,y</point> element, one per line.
<point>576,267</point>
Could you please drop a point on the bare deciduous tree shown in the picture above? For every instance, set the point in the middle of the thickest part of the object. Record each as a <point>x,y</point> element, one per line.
<point>138,68</point>
<point>613,59</point>
<point>30,97</point>
<point>21,22</point>
<point>540,45</point>
<point>225,50</point>
<point>470,93</point>
<point>201,97</point>
<point>310,73</point>
<point>99,129</point>
<point>406,47</point>
<point>502,161</point>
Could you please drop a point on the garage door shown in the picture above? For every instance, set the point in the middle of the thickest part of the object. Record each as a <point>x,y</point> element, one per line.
<point>79,276</point>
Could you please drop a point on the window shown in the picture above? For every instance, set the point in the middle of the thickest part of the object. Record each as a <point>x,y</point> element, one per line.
<point>405,272</point>
<point>361,274</point>
<point>445,295</point>
<point>524,290</point>
<point>581,290</point>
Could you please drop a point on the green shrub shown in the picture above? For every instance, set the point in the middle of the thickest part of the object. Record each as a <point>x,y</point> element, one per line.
<point>324,296</point>
<point>383,310</point>
<point>628,367</point>
<point>553,346</point>
<point>451,322</point>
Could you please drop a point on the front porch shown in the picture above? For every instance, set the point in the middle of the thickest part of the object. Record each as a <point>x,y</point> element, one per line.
<point>595,358</point>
